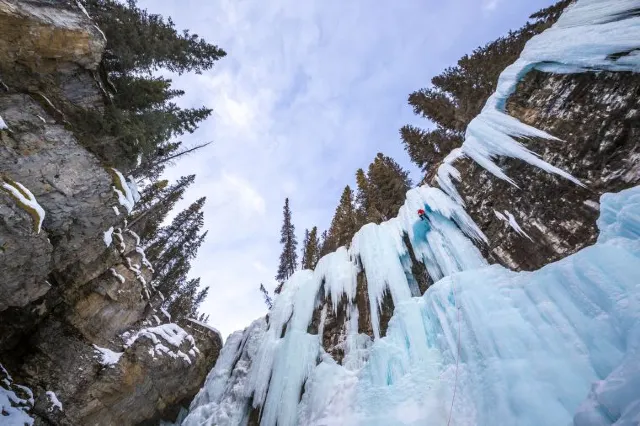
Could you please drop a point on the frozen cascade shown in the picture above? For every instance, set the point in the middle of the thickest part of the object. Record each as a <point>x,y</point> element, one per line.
<point>556,346</point>
<point>589,35</point>
<point>532,344</point>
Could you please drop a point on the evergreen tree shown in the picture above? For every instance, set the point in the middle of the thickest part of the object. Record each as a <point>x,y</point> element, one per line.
<point>324,247</point>
<point>175,246</point>
<point>311,249</point>
<point>289,257</point>
<point>267,299</point>
<point>137,40</point>
<point>381,191</point>
<point>458,94</point>
<point>362,201</point>
<point>156,201</point>
<point>344,224</point>
<point>387,185</point>
<point>186,300</point>
<point>141,117</point>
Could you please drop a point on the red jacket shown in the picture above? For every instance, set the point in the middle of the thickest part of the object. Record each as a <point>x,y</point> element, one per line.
<point>420,212</point>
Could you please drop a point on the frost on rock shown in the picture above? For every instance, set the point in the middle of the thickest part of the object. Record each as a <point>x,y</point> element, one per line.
<point>165,313</point>
<point>54,402</point>
<point>108,237</point>
<point>135,268</point>
<point>14,408</point>
<point>144,260</point>
<point>117,276</point>
<point>127,191</point>
<point>106,356</point>
<point>26,200</point>
<point>589,35</point>
<point>167,340</point>
<point>202,324</point>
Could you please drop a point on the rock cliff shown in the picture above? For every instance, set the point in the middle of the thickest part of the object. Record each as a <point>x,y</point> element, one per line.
<point>72,286</point>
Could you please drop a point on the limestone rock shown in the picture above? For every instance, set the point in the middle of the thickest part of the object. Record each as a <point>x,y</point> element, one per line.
<point>121,385</point>
<point>45,35</point>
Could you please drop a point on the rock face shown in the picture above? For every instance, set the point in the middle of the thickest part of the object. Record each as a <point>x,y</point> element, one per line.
<point>597,116</point>
<point>70,293</point>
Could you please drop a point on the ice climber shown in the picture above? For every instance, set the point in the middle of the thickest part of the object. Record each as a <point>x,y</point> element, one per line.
<point>422,214</point>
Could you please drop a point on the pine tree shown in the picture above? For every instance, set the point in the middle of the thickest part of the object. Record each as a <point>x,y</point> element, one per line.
<point>137,40</point>
<point>387,185</point>
<point>289,257</point>
<point>175,246</point>
<point>344,224</point>
<point>156,201</point>
<point>186,300</point>
<point>141,116</point>
<point>362,201</point>
<point>324,247</point>
<point>311,249</point>
<point>267,299</point>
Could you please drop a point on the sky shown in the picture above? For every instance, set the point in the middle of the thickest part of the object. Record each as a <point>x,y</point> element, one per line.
<point>308,93</point>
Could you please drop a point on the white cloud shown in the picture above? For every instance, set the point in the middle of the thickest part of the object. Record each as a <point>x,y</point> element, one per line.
<point>489,5</point>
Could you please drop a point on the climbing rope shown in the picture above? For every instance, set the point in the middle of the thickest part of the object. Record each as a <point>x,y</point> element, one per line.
<point>455,383</point>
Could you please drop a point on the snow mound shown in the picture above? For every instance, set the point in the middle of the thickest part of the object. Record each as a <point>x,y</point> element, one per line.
<point>166,334</point>
<point>108,237</point>
<point>14,409</point>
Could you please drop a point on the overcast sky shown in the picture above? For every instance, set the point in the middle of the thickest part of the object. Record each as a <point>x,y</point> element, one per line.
<point>310,91</point>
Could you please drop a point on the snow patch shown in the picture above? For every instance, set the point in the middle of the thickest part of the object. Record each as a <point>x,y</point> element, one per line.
<point>14,409</point>
<point>130,195</point>
<point>117,275</point>
<point>165,313</point>
<point>108,237</point>
<point>106,356</point>
<point>115,210</point>
<point>54,401</point>
<point>170,334</point>
<point>3,125</point>
<point>26,200</point>
<point>202,324</point>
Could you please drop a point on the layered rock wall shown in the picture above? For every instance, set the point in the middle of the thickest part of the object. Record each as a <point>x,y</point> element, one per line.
<point>71,290</point>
